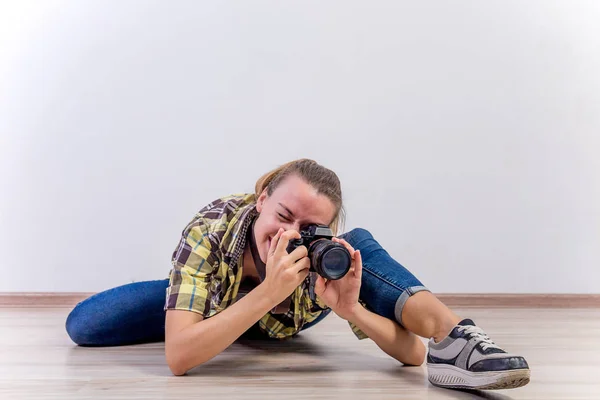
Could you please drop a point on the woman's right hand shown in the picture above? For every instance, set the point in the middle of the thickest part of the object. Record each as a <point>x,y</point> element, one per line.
<point>285,272</point>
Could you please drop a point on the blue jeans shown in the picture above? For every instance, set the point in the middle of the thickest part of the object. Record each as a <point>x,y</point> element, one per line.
<point>133,313</point>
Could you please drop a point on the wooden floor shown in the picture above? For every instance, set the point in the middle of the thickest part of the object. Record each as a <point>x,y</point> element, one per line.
<point>38,361</point>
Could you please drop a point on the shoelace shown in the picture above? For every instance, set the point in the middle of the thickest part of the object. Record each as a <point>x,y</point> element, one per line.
<point>480,335</point>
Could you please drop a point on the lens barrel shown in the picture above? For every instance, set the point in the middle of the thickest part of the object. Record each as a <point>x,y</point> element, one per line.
<point>329,259</point>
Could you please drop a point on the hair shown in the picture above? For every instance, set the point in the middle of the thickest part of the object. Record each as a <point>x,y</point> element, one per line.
<point>324,180</point>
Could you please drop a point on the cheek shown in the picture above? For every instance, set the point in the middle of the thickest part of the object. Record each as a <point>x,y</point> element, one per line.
<point>264,231</point>
<point>270,231</point>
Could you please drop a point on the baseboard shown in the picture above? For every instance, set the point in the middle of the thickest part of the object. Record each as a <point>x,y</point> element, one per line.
<point>479,300</point>
<point>509,300</point>
<point>42,299</point>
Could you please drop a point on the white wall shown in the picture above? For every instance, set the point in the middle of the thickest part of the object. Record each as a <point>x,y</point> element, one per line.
<point>466,133</point>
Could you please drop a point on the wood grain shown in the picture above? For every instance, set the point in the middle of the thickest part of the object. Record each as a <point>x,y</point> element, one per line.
<point>38,361</point>
<point>472,300</point>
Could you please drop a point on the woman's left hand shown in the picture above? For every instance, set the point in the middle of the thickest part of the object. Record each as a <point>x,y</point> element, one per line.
<point>341,295</point>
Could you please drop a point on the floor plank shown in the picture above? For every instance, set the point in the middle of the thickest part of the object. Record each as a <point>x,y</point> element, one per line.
<point>38,361</point>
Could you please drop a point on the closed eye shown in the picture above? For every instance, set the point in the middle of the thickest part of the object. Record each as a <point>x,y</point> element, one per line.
<point>283,217</point>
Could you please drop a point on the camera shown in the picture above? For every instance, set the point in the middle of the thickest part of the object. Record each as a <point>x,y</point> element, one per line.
<point>329,259</point>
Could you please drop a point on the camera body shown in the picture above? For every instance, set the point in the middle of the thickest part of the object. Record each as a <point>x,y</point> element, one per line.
<point>329,259</point>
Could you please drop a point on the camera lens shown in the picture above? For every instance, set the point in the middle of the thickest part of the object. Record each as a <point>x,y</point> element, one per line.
<point>331,260</point>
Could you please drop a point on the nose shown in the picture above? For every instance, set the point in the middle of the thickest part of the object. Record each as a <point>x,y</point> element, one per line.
<point>292,226</point>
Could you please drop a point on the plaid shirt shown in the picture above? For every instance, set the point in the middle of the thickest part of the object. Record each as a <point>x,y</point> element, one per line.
<point>207,269</point>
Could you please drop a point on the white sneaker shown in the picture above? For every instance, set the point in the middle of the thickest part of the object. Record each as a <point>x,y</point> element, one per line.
<point>468,359</point>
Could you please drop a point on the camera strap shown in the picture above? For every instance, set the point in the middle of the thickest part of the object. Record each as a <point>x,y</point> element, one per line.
<point>261,268</point>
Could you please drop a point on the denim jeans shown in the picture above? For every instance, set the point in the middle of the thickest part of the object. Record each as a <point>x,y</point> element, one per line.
<point>133,313</point>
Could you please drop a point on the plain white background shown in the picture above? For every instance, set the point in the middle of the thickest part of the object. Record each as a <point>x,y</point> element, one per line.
<point>466,133</point>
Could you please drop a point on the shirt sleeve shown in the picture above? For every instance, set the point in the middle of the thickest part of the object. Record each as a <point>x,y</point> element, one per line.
<point>357,332</point>
<point>194,264</point>
<point>355,329</point>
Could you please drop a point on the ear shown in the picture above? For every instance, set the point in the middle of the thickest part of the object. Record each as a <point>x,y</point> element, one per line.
<point>261,200</point>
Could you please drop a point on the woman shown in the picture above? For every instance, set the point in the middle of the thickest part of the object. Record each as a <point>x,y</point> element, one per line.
<point>233,275</point>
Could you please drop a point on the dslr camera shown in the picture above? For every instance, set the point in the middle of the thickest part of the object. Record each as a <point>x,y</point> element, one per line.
<point>329,259</point>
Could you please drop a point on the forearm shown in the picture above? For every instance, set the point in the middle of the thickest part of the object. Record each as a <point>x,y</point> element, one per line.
<point>202,341</point>
<point>392,338</point>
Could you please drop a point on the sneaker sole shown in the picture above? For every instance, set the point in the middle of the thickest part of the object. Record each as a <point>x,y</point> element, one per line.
<point>451,377</point>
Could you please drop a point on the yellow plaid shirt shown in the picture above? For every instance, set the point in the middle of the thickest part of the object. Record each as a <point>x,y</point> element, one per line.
<point>207,269</point>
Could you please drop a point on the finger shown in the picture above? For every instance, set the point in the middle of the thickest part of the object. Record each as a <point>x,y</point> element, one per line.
<point>301,268</point>
<point>346,245</point>
<point>284,240</point>
<point>298,253</point>
<point>320,286</point>
<point>303,274</point>
<point>274,242</point>
<point>303,264</point>
<point>358,264</point>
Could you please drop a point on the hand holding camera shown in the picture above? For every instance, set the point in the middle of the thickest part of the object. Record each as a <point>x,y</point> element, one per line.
<point>328,258</point>
<point>285,271</point>
<point>342,295</point>
<point>293,254</point>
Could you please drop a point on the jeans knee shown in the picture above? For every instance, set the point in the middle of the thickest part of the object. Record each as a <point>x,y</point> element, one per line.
<point>79,328</point>
<point>361,239</point>
<point>72,326</point>
<point>360,234</point>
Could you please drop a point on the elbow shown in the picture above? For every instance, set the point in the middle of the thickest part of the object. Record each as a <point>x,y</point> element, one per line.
<point>180,360</point>
<point>175,362</point>
<point>176,359</point>
<point>177,370</point>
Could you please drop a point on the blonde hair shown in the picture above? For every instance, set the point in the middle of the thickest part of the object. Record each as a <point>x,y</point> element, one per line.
<point>324,180</point>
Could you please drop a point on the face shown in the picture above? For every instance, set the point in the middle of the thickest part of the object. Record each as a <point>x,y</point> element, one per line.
<point>292,204</point>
